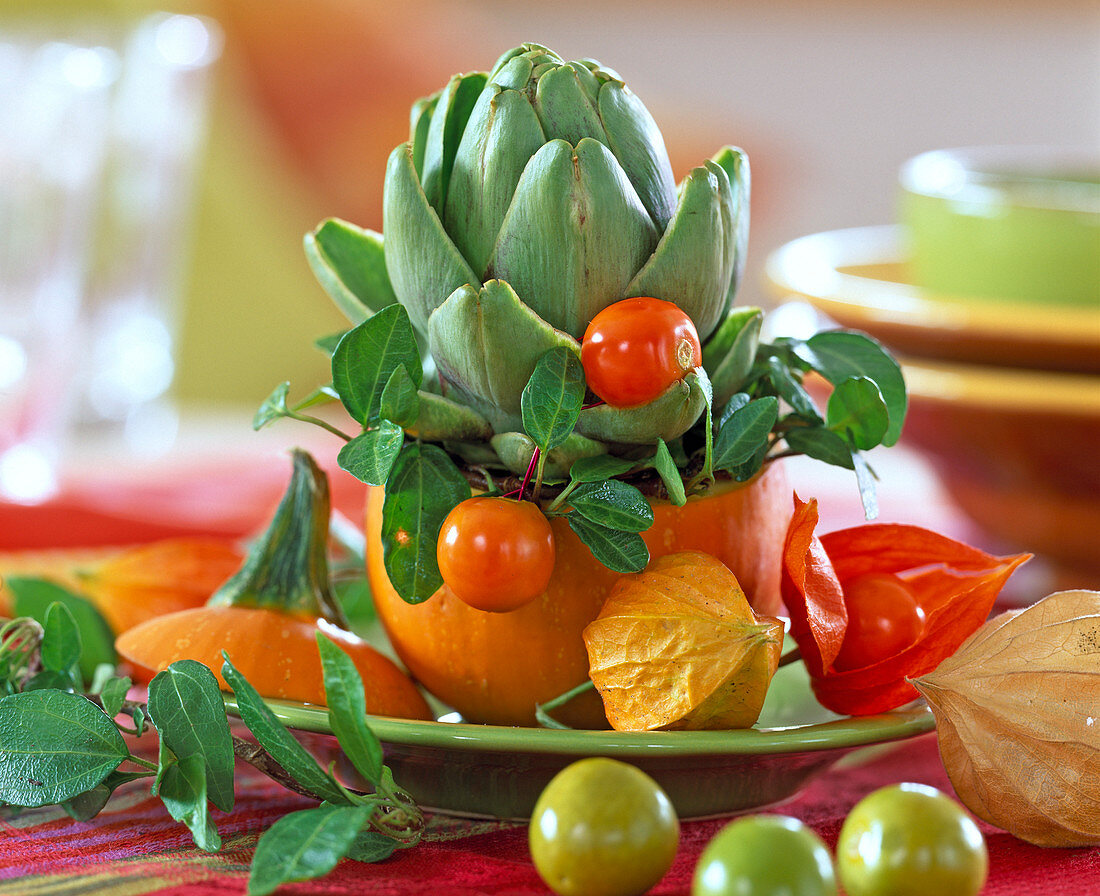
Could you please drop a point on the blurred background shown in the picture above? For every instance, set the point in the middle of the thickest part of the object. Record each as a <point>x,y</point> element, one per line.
<point>828,98</point>
<point>294,106</point>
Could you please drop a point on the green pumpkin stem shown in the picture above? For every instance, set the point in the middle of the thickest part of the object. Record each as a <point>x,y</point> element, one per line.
<point>287,568</point>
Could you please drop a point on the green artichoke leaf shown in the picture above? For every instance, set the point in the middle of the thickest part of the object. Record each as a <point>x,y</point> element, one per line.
<point>564,106</point>
<point>574,236</point>
<point>735,162</point>
<point>486,343</point>
<point>694,261</point>
<point>637,143</point>
<point>350,263</point>
<point>440,419</point>
<point>448,122</point>
<point>728,356</point>
<point>423,264</point>
<point>515,67</point>
<point>515,450</point>
<point>502,134</point>
<point>667,417</point>
<point>420,118</point>
<point>473,454</point>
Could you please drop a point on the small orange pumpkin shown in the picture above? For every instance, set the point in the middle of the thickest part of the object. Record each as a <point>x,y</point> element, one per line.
<point>495,667</point>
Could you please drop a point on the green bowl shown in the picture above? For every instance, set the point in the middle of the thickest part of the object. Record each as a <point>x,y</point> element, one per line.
<point>499,772</point>
<point>1007,223</point>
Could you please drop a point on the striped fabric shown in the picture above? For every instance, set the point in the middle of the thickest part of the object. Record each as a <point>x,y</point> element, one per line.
<point>134,848</point>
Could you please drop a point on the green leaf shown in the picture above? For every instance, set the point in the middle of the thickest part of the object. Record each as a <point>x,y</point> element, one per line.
<point>87,805</point>
<point>347,710</point>
<point>424,486</point>
<point>370,846</point>
<point>670,474</point>
<point>113,695</point>
<point>744,432</point>
<point>61,647</point>
<point>273,737</point>
<point>320,395</point>
<point>701,384</point>
<point>618,551</point>
<point>400,401</point>
<point>48,679</point>
<point>329,341</point>
<point>744,472</point>
<point>735,403</point>
<point>274,407</point>
<point>599,468</point>
<point>186,705</point>
<point>349,262</point>
<point>369,457</point>
<point>54,746</point>
<point>856,410</point>
<point>839,354</point>
<point>614,504</point>
<point>820,444</point>
<point>366,358</point>
<point>304,845</point>
<point>792,391</point>
<point>182,786</point>
<point>33,598</point>
<point>552,398</point>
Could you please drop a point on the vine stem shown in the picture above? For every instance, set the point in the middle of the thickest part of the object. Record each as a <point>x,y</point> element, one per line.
<point>324,424</point>
<point>791,656</point>
<point>535,461</point>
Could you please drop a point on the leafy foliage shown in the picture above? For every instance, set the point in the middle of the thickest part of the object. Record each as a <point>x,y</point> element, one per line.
<point>59,746</point>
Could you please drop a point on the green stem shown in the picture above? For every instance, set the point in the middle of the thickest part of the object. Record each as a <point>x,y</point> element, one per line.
<point>560,499</point>
<point>317,421</point>
<point>543,710</point>
<point>287,568</point>
<point>144,763</point>
<point>538,477</point>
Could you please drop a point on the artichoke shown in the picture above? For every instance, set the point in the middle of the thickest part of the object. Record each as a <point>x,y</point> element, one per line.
<point>527,200</point>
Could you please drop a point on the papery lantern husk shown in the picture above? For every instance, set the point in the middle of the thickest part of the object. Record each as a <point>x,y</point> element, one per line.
<point>954,584</point>
<point>1017,712</point>
<point>678,647</point>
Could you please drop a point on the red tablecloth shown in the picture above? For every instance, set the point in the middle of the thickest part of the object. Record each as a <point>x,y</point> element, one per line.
<point>135,848</point>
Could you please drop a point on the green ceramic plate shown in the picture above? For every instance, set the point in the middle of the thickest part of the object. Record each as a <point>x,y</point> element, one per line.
<point>487,770</point>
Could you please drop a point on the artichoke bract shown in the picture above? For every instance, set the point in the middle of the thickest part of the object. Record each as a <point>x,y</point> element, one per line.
<point>549,181</point>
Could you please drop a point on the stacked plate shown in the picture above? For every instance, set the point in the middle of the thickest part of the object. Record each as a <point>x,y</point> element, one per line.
<point>1004,393</point>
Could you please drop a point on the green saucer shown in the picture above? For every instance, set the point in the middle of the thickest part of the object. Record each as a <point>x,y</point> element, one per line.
<point>496,771</point>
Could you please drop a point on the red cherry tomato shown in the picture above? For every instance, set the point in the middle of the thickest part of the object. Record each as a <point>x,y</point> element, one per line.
<point>635,349</point>
<point>883,619</point>
<point>496,554</point>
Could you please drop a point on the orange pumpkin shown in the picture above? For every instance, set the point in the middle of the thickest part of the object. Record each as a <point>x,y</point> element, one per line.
<point>495,667</point>
<point>276,651</point>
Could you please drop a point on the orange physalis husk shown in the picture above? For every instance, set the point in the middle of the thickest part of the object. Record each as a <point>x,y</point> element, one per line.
<point>954,584</point>
<point>150,580</point>
<point>678,647</point>
<point>1018,719</point>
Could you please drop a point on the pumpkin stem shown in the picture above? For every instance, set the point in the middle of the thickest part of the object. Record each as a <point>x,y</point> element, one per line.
<point>287,568</point>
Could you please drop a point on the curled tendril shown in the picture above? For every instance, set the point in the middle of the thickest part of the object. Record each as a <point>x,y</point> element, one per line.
<point>397,814</point>
<point>20,640</point>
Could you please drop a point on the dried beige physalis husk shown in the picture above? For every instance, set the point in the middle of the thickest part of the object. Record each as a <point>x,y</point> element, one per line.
<point>1018,718</point>
<point>678,647</point>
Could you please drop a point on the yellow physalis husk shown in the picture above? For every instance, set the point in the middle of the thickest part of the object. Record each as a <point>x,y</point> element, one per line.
<point>1018,717</point>
<point>678,647</point>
